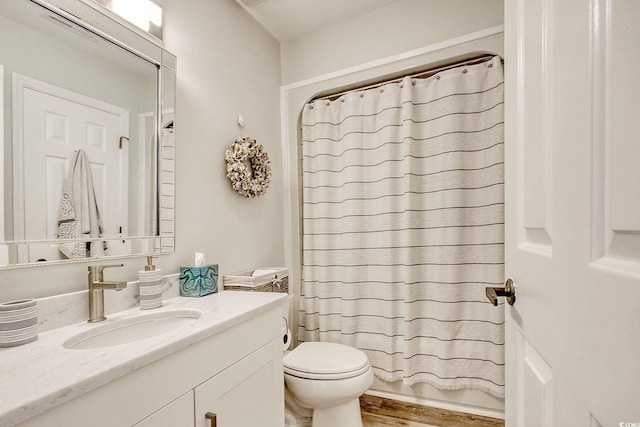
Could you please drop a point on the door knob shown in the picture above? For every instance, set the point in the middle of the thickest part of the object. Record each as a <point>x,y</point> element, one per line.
<point>508,291</point>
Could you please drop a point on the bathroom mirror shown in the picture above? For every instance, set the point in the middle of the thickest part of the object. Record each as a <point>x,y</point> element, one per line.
<point>87,121</point>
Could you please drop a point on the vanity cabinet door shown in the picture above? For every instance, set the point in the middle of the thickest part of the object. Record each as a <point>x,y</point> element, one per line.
<point>178,413</point>
<point>248,393</point>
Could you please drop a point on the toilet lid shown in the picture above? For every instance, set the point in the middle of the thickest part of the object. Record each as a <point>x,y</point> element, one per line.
<point>325,360</point>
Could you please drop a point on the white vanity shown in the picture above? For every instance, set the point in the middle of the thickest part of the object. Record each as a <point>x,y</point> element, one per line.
<point>227,362</point>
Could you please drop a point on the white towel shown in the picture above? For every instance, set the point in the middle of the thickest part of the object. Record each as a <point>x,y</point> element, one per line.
<point>263,272</point>
<point>78,214</point>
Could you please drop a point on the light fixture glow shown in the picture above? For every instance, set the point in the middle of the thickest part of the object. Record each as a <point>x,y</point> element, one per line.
<point>141,13</point>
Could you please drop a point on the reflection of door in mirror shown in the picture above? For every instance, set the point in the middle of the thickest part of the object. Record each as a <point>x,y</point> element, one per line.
<point>58,48</point>
<point>60,123</point>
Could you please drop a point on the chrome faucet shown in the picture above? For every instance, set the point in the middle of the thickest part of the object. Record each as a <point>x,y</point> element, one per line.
<point>97,285</point>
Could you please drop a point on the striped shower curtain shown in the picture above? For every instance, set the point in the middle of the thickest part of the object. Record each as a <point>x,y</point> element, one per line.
<point>403,210</point>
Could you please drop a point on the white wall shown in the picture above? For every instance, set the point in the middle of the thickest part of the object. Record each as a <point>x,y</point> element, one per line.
<point>227,65</point>
<point>409,34</point>
<point>401,26</point>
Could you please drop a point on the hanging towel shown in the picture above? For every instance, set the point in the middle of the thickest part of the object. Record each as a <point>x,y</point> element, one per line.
<point>78,214</point>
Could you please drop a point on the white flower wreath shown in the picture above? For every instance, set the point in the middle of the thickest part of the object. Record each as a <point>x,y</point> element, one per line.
<point>248,167</point>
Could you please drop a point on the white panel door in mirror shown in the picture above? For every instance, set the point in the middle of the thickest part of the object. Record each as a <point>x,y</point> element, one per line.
<point>58,127</point>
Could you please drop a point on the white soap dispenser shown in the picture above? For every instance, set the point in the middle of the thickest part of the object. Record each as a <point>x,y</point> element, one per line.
<point>150,280</point>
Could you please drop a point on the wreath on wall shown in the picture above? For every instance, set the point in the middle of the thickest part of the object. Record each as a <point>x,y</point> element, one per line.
<point>248,167</point>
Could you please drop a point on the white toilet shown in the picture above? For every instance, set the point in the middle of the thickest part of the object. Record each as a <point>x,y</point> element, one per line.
<point>328,378</point>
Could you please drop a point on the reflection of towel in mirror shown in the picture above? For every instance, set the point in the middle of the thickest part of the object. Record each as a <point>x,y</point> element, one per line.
<point>78,214</point>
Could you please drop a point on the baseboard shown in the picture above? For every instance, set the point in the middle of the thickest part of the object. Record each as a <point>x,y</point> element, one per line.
<point>484,412</point>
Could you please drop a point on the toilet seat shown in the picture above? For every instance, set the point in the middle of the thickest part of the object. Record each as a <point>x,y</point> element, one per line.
<point>325,361</point>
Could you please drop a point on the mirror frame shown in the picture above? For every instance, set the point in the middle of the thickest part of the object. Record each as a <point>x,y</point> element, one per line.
<point>101,23</point>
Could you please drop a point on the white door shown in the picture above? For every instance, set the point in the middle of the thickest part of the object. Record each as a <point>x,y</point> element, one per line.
<point>573,212</point>
<point>55,123</point>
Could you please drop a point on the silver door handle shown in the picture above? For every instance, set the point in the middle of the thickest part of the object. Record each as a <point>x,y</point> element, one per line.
<point>509,291</point>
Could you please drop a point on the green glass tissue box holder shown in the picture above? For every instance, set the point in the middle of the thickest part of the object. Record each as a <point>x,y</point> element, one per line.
<point>198,281</point>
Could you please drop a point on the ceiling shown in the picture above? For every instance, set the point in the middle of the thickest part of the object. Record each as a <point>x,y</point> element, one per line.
<point>291,19</point>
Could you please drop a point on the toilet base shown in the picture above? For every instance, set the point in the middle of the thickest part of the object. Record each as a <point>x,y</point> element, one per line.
<point>346,415</point>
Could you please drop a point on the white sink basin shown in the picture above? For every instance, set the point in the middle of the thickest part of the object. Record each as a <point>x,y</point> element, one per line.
<point>131,329</point>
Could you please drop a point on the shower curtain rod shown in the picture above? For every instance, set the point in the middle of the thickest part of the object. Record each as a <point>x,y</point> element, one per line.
<point>421,74</point>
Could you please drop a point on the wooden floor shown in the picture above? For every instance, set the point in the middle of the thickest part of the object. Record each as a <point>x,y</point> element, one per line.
<point>379,412</point>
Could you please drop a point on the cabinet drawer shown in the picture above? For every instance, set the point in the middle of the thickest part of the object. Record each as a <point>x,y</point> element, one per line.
<point>178,413</point>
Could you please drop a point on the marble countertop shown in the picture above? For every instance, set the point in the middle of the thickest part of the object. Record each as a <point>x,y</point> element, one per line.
<point>38,376</point>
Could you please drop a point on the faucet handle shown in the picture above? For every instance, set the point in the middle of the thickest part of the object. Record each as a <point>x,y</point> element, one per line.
<point>97,269</point>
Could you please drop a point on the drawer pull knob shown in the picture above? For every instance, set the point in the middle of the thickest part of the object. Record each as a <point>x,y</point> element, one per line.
<point>211,416</point>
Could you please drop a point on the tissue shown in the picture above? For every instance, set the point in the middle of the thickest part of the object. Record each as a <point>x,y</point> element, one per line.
<point>200,260</point>
<point>200,279</point>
